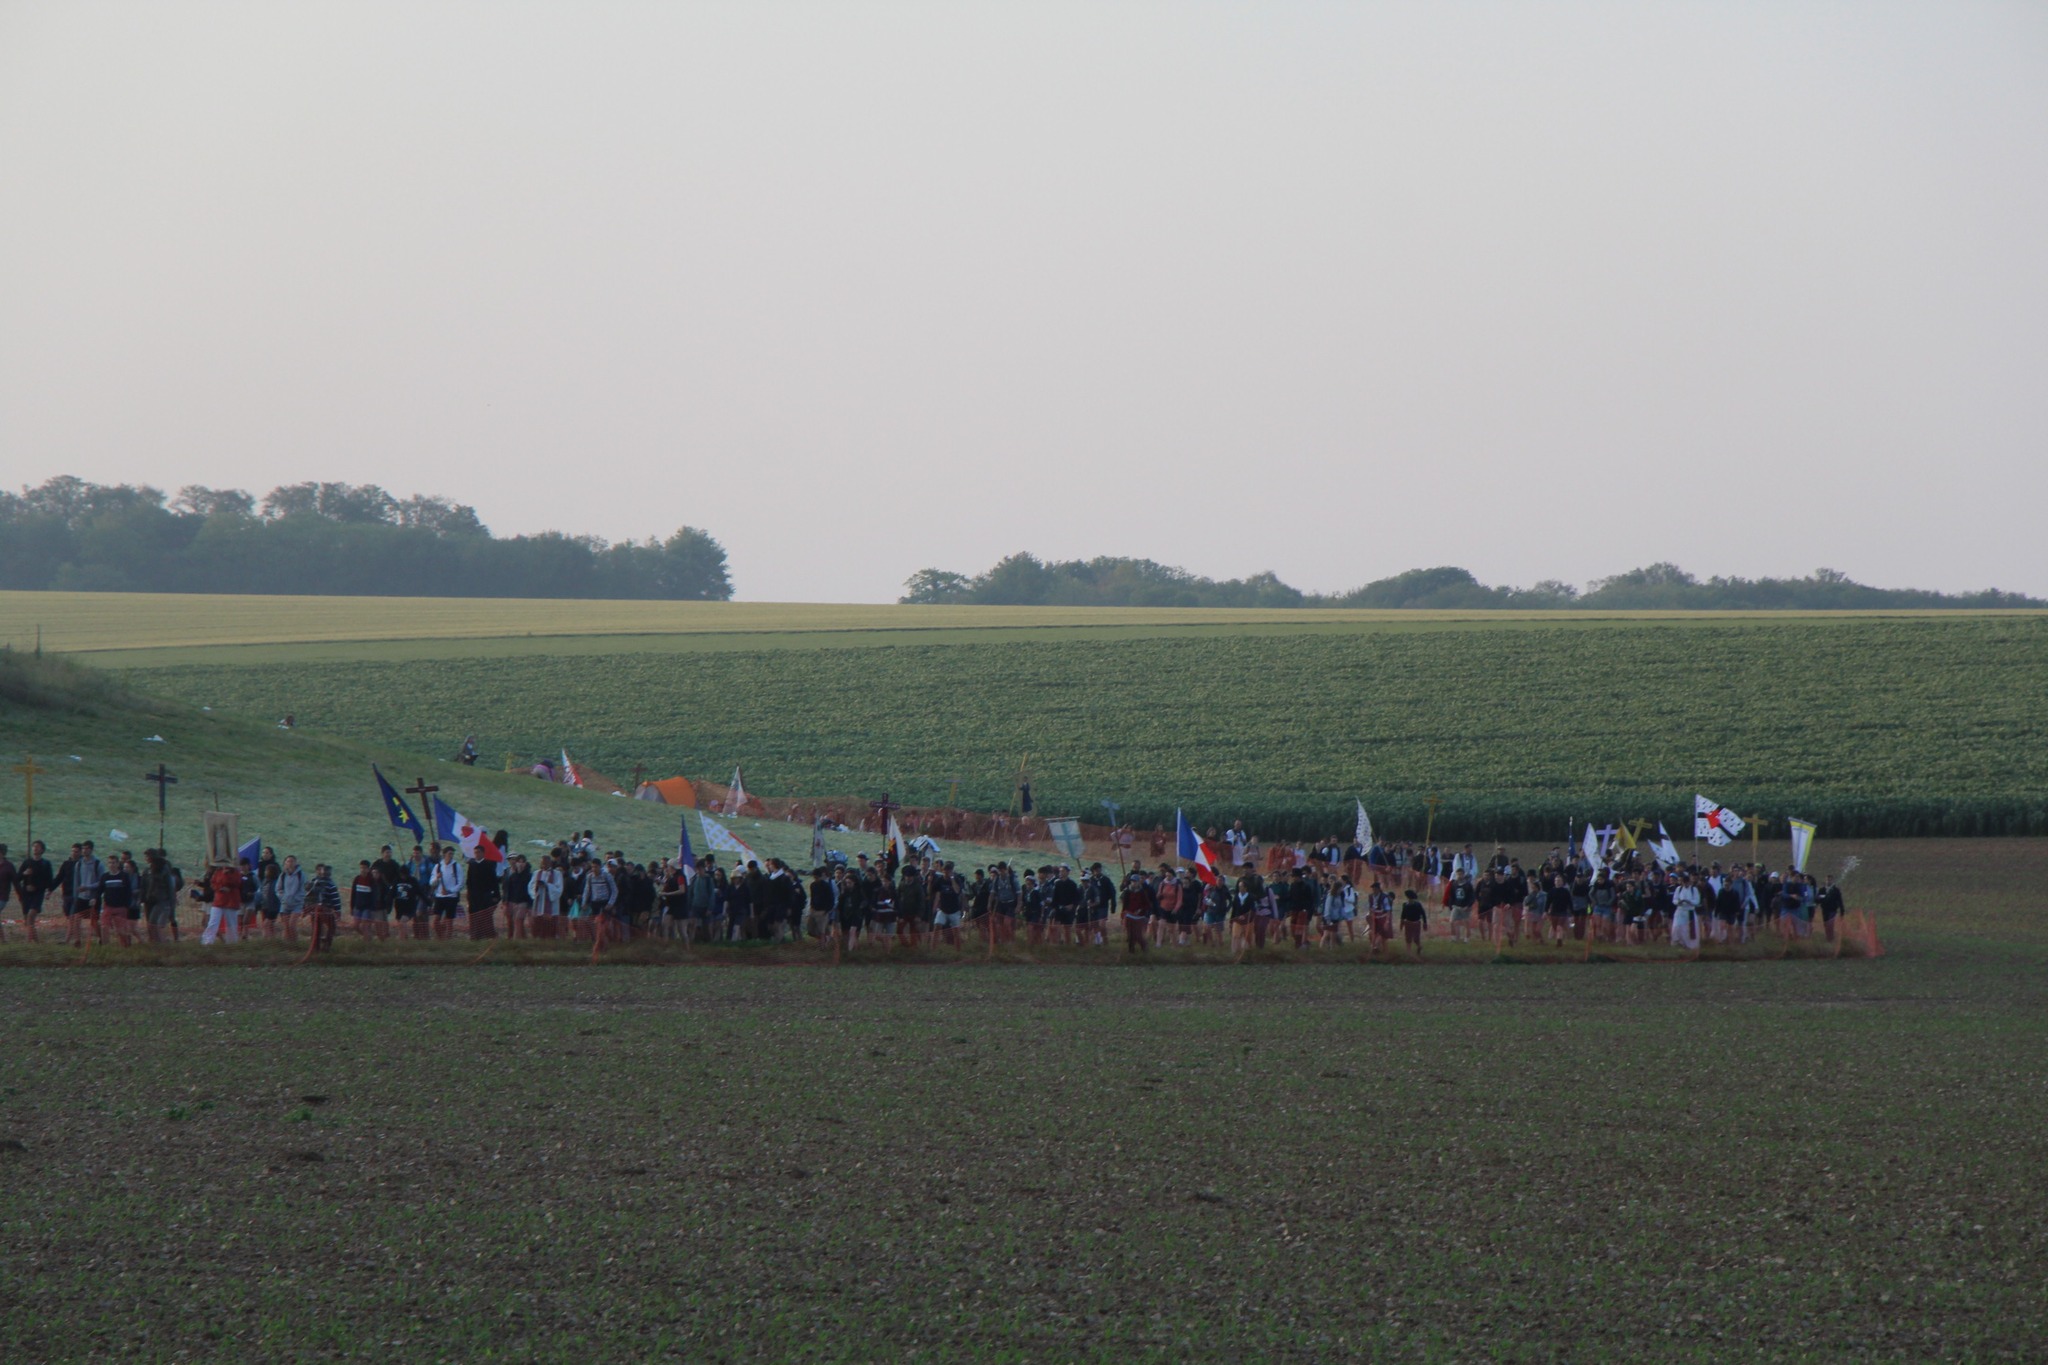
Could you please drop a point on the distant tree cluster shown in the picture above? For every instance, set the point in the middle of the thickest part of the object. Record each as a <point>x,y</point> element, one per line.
<point>351,539</point>
<point>1024,580</point>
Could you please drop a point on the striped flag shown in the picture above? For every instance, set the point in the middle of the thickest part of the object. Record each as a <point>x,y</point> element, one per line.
<point>1802,842</point>
<point>1193,849</point>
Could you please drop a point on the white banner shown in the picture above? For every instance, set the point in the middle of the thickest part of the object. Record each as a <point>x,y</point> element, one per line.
<point>719,839</point>
<point>1362,833</point>
<point>1802,842</point>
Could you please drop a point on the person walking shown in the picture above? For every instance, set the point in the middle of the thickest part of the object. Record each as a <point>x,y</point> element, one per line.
<point>291,896</point>
<point>33,878</point>
<point>117,900</point>
<point>224,906</point>
<point>84,908</point>
<point>1414,919</point>
<point>157,892</point>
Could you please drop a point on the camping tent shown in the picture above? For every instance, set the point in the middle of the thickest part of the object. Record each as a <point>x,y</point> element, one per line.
<point>670,791</point>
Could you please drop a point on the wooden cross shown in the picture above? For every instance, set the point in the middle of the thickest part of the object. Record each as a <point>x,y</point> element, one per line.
<point>1432,802</point>
<point>28,768</point>
<point>164,782</point>
<point>1756,824</point>
<point>424,790</point>
<point>882,808</point>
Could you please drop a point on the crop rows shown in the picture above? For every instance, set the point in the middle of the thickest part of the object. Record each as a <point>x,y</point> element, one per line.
<point>1874,728</point>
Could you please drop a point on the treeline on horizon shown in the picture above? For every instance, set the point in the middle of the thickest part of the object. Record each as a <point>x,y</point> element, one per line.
<point>332,538</point>
<point>1106,581</point>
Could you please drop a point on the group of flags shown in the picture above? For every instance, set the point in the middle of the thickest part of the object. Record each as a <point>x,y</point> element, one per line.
<point>450,825</point>
<point>1717,824</point>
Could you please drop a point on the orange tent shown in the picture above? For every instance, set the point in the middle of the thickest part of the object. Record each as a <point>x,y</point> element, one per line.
<point>671,791</point>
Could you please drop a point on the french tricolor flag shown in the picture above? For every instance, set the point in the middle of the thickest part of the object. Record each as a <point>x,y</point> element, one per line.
<point>1203,854</point>
<point>449,824</point>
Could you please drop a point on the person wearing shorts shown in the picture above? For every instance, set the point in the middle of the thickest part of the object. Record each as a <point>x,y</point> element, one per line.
<point>1165,919</point>
<point>1601,902</point>
<point>363,903</point>
<point>1245,899</point>
<point>1063,896</point>
<point>1414,918</point>
<point>446,885</point>
<point>1459,898</point>
<point>117,901</point>
<point>82,907</point>
<point>1340,904</point>
<point>1214,914</point>
<point>1829,901</point>
<point>265,903</point>
<point>850,907</point>
<point>948,909</point>
<point>403,896</point>
<point>291,896</point>
<point>1379,916</point>
<point>33,878</point>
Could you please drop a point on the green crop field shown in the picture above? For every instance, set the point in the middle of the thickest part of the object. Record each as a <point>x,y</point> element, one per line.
<point>74,622</point>
<point>172,625</point>
<point>1872,726</point>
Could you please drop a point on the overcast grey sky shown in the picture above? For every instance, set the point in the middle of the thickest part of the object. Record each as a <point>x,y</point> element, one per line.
<point>1547,290</point>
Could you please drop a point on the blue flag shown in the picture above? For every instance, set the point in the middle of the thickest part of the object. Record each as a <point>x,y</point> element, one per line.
<point>400,813</point>
<point>251,853</point>
<point>686,857</point>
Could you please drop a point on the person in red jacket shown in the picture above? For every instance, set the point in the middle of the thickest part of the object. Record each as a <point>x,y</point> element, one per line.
<point>224,911</point>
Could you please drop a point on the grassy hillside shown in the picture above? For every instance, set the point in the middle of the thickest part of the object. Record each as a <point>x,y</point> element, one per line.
<point>1873,726</point>
<point>308,794</point>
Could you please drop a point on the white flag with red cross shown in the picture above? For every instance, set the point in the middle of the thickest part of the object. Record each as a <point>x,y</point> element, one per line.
<point>1714,822</point>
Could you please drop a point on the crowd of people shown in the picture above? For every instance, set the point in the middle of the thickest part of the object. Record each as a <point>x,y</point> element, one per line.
<point>1390,897</point>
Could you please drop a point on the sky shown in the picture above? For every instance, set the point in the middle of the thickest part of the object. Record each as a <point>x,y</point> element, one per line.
<point>1546,290</point>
